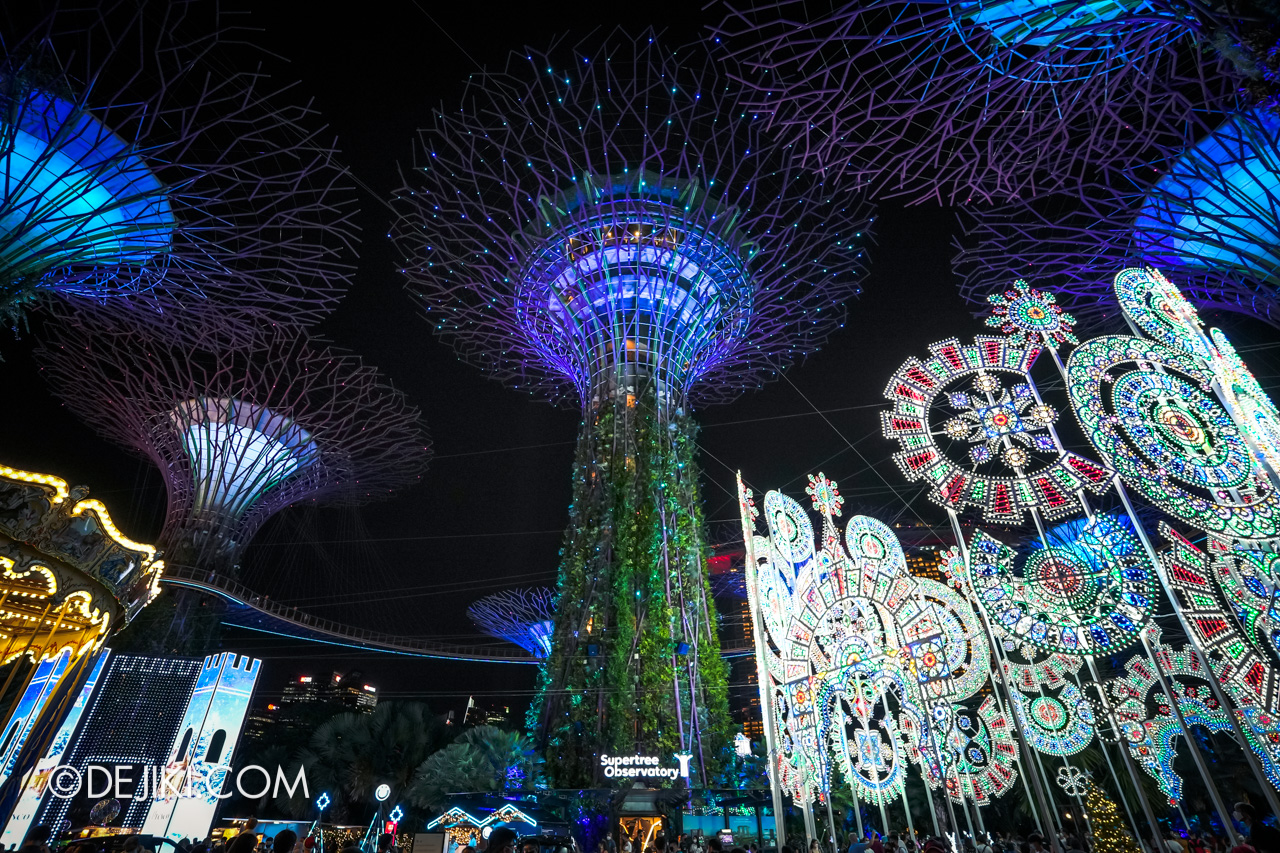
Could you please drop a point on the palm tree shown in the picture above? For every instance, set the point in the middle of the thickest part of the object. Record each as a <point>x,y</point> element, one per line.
<point>353,753</point>
<point>486,758</point>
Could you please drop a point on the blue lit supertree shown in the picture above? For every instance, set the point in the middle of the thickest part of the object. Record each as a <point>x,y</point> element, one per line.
<point>239,425</point>
<point>984,100</point>
<point>146,154</point>
<point>1207,215</point>
<point>607,226</point>
<point>524,617</point>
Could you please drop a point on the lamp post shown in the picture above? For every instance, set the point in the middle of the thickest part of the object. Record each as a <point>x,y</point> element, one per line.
<point>322,803</point>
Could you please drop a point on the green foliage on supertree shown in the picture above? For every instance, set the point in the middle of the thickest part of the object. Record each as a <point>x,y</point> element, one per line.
<point>633,585</point>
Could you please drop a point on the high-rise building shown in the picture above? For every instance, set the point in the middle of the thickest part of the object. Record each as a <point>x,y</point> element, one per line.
<point>486,715</point>
<point>349,691</point>
<point>728,587</point>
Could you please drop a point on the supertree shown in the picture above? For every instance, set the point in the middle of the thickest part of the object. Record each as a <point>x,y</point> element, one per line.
<point>524,617</point>
<point>146,152</point>
<point>1207,215</point>
<point>982,100</point>
<point>238,429</point>
<point>605,225</point>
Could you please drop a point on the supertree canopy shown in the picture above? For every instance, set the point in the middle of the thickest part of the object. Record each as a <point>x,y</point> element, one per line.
<point>524,617</point>
<point>146,152</point>
<point>237,430</point>
<point>1207,215</point>
<point>608,222</point>
<point>976,100</point>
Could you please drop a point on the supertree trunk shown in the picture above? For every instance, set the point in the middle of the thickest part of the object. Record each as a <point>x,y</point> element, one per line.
<point>636,664</point>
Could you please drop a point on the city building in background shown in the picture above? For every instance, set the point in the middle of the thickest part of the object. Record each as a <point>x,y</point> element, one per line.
<point>486,715</point>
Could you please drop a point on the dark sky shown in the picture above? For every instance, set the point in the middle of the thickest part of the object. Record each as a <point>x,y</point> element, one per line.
<point>490,511</point>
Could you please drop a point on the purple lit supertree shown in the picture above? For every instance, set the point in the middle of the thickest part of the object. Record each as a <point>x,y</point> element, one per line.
<point>982,100</point>
<point>606,226</point>
<point>238,428</point>
<point>1207,216</point>
<point>148,159</point>
<point>521,616</point>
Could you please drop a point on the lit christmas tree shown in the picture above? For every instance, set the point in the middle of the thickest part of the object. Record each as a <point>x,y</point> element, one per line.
<point>1109,834</point>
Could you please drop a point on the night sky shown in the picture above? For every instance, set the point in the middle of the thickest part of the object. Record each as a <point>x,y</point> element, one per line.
<point>490,511</point>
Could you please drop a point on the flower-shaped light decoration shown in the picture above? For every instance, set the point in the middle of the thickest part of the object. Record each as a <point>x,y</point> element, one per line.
<point>1072,781</point>
<point>1031,317</point>
<point>994,418</point>
<point>826,497</point>
<point>979,395</point>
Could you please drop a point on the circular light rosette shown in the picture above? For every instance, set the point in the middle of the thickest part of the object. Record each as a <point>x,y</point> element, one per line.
<point>1147,409</point>
<point>1157,307</point>
<point>1256,415</point>
<point>1088,597</point>
<point>1056,725</point>
<point>968,423</point>
<point>1031,317</point>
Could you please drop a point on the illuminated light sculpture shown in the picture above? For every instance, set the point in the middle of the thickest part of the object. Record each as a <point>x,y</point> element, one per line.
<point>1056,725</point>
<point>1156,306</point>
<point>604,226</point>
<point>1168,437</point>
<point>1031,317</point>
<point>842,626</point>
<point>1089,595</point>
<point>1240,645</point>
<point>524,617</point>
<point>979,397</point>
<point>191,186</point>
<point>1150,737</point>
<point>970,100</point>
<point>238,430</point>
<point>1235,642</point>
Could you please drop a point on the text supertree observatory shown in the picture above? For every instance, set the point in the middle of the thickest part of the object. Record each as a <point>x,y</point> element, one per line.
<point>606,226</point>
<point>237,430</point>
<point>525,617</point>
<point>967,101</point>
<point>146,152</point>
<point>1207,215</point>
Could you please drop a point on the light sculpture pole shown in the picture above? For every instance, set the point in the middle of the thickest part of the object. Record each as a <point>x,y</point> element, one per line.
<point>238,429</point>
<point>1170,423</point>
<point>524,617</point>
<point>1206,214</point>
<point>148,161</point>
<point>978,101</point>
<point>606,226</point>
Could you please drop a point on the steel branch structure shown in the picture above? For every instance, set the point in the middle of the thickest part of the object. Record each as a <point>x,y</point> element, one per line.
<point>606,226</point>
<point>237,430</point>
<point>523,617</point>
<point>976,100</point>
<point>148,159</point>
<point>1208,216</point>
